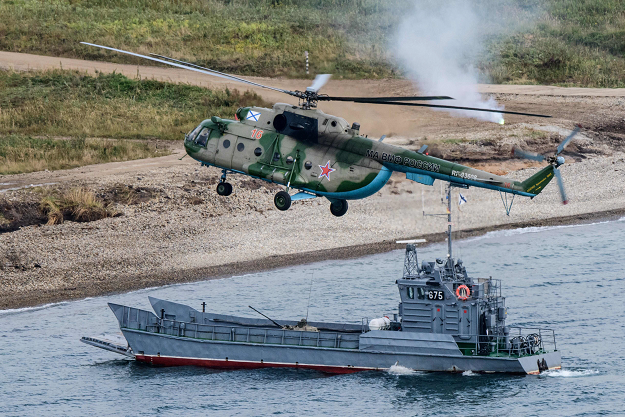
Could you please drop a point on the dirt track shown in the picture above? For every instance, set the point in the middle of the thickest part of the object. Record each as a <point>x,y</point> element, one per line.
<point>187,232</point>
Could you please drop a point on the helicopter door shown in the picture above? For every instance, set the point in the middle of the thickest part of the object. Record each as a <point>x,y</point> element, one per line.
<point>211,145</point>
<point>243,154</point>
<point>225,150</point>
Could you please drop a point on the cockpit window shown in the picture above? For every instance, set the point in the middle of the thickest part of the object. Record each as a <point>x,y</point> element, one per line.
<point>202,138</point>
<point>191,135</point>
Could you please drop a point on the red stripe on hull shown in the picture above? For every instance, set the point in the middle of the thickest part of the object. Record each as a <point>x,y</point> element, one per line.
<point>226,364</point>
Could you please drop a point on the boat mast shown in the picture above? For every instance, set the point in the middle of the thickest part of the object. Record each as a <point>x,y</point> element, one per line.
<point>449,225</point>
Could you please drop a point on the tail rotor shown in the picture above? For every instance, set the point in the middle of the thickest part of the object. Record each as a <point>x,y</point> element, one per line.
<point>556,160</point>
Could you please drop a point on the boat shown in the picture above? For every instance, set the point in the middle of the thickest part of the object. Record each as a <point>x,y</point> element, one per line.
<point>447,321</point>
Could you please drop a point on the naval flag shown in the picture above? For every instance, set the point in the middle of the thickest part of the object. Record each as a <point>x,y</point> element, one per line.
<point>252,115</point>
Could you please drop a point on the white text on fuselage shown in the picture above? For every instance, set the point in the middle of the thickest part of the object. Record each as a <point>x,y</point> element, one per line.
<point>464,175</point>
<point>398,160</point>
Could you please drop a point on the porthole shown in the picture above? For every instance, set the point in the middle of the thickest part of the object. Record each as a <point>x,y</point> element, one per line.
<point>289,159</point>
<point>226,143</point>
<point>308,165</point>
<point>258,151</point>
<point>333,123</point>
<point>240,147</point>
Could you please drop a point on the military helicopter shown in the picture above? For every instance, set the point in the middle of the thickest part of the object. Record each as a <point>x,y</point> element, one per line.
<point>321,155</point>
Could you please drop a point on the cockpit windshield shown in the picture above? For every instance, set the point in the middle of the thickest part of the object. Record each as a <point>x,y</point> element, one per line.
<point>202,138</point>
<point>192,135</point>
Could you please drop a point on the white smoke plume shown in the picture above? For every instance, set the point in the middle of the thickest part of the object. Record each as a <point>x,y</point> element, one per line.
<point>437,44</point>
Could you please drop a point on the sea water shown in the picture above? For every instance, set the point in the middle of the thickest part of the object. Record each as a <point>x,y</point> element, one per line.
<point>570,278</point>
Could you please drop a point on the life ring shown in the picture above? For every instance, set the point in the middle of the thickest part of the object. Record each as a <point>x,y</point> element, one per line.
<point>466,292</point>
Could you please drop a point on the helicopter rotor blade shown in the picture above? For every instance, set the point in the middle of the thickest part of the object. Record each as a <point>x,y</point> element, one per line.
<point>382,100</point>
<point>319,81</point>
<point>558,175</point>
<point>528,155</point>
<point>440,106</point>
<point>232,77</point>
<point>567,140</point>
<point>192,68</point>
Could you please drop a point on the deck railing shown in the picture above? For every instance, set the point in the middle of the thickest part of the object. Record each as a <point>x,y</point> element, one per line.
<point>136,319</point>
<point>519,342</point>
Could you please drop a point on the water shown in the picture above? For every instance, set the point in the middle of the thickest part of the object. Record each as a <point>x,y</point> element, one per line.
<point>571,279</point>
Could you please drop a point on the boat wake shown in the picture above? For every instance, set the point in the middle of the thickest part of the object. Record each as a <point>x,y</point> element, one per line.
<point>469,373</point>
<point>401,370</point>
<point>565,373</point>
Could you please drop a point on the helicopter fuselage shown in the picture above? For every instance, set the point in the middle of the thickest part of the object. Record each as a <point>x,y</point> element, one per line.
<point>322,155</point>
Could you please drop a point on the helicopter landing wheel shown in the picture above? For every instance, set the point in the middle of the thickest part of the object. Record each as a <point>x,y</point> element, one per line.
<point>224,188</point>
<point>338,207</point>
<point>282,200</point>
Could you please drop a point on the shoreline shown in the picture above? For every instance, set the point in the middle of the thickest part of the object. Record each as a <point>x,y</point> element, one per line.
<point>275,262</point>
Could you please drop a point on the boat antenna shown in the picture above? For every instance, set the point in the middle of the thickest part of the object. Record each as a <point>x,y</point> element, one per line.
<point>271,320</point>
<point>449,224</point>
<point>309,294</point>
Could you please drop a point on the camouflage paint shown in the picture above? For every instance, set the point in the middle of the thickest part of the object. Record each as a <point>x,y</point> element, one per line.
<point>362,166</point>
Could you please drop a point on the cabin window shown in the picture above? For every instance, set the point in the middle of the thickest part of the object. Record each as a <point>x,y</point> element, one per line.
<point>202,138</point>
<point>333,123</point>
<point>308,165</point>
<point>410,292</point>
<point>420,293</point>
<point>240,147</point>
<point>258,151</point>
<point>226,143</point>
<point>289,159</point>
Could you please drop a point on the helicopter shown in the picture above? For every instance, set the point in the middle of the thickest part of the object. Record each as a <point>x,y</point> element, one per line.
<point>321,155</point>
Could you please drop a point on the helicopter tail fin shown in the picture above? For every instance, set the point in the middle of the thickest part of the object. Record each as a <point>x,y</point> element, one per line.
<point>538,181</point>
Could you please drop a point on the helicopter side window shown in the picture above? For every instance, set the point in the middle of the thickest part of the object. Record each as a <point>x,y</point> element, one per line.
<point>202,138</point>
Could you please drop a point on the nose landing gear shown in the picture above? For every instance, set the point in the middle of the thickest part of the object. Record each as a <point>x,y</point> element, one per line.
<point>224,188</point>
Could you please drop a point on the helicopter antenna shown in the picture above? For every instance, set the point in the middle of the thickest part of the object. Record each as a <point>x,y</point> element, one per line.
<point>309,294</point>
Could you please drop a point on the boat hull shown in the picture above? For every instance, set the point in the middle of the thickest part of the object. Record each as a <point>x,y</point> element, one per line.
<point>167,350</point>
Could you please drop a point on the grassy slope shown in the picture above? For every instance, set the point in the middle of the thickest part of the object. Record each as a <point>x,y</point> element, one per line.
<point>571,42</point>
<point>67,103</point>
<point>77,106</point>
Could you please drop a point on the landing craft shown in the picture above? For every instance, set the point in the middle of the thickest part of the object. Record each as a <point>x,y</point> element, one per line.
<point>321,155</point>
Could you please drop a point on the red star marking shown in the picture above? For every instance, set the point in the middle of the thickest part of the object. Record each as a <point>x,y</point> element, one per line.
<point>325,170</point>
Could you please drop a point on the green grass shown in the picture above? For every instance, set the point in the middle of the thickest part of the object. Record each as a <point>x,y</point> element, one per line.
<point>259,37</point>
<point>568,42</point>
<point>68,103</point>
<point>19,154</point>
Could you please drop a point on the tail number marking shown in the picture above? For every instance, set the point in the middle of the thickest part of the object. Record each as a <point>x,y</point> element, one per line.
<point>257,133</point>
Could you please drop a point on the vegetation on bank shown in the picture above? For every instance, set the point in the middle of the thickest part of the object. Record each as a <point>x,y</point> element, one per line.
<point>77,205</point>
<point>573,42</point>
<point>19,154</point>
<point>72,104</point>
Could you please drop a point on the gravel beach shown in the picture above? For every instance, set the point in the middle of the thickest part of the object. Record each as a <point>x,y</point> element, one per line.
<point>186,232</point>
